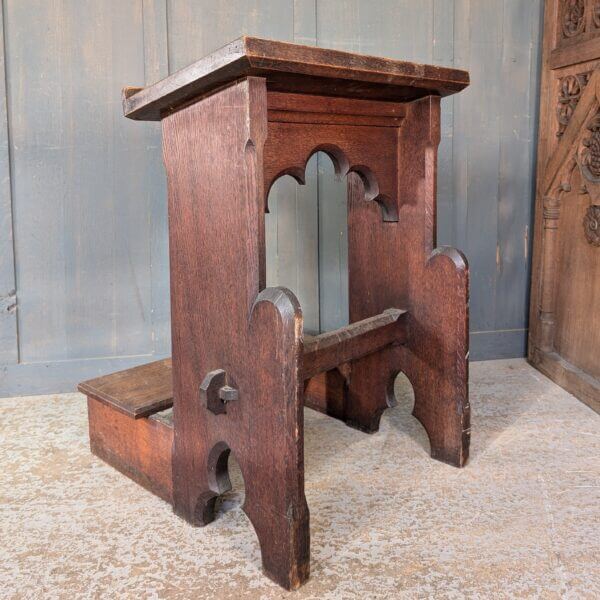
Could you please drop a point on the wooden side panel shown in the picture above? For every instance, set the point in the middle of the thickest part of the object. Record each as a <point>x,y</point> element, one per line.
<point>577,336</point>
<point>223,327</point>
<point>138,448</point>
<point>564,340</point>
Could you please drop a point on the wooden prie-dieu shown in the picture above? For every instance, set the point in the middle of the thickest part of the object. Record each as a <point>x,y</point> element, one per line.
<point>242,370</point>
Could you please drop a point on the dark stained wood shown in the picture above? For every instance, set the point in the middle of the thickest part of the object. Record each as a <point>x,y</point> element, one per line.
<point>136,392</point>
<point>564,336</point>
<point>329,350</point>
<point>255,336</point>
<point>145,390</point>
<point>307,108</point>
<point>293,68</point>
<point>241,368</point>
<point>396,264</point>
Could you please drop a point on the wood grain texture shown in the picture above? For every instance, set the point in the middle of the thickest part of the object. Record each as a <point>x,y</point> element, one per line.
<point>256,339</point>
<point>137,392</point>
<point>138,448</point>
<point>329,350</point>
<point>564,340</point>
<point>432,284</point>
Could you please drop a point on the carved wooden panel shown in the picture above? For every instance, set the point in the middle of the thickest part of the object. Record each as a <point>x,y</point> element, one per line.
<point>564,340</point>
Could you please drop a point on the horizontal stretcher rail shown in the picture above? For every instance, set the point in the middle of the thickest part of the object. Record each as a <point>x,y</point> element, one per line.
<point>333,348</point>
<point>142,391</point>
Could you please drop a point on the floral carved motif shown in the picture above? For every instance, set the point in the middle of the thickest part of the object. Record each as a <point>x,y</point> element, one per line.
<point>589,157</point>
<point>591,225</point>
<point>596,14</point>
<point>570,90</point>
<point>573,21</point>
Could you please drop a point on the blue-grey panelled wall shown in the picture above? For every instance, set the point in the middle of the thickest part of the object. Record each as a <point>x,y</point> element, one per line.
<point>83,231</point>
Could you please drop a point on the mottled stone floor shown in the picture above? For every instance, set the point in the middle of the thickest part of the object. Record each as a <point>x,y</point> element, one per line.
<point>522,520</point>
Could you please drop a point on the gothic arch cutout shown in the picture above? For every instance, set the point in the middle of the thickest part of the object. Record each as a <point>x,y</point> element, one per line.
<point>342,167</point>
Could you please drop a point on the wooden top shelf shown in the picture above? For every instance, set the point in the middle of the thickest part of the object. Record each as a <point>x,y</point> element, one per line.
<point>293,68</point>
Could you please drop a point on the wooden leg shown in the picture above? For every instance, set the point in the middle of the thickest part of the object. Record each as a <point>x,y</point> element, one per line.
<point>370,390</point>
<point>284,537</point>
<point>436,358</point>
<point>236,350</point>
<point>263,428</point>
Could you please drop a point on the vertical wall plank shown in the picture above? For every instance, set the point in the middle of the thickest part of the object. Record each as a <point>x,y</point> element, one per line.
<point>517,135</point>
<point>484,99</point>
<point>156,67</point>
<point>306,258</point>
<point>460,128</point>
<point>9,351</point>
<point>291,226</point>
<point>333,246</point>
<point>443,54</point>
<point>493,165</point>
<point>305,22</point>
<point>80,179</point>
<point>197,28</point>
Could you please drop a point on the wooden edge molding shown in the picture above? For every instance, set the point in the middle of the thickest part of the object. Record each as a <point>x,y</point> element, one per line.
<point>304,68</point>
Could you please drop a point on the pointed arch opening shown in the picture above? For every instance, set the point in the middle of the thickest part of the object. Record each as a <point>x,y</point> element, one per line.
<point>402,417</point>
<point>307,237</point>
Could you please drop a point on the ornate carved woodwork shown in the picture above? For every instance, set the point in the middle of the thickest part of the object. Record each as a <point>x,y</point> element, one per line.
<point>589,156</point>
<point>573,18</point>
<point>564,340</point>
<point>242,369</point>
<point>591,225</point>
<point>570,89</point>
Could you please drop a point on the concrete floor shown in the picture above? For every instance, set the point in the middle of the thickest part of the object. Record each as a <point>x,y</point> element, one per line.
<point>522,520</point>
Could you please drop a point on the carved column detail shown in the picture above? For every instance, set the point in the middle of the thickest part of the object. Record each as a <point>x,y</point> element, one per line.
<point>573,18</point>
<point>551,213</point>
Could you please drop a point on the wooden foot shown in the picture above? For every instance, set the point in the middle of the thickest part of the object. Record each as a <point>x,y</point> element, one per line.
<point>284,537</point>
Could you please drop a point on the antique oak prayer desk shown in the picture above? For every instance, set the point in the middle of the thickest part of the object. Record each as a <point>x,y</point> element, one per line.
<point>241,369</point>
